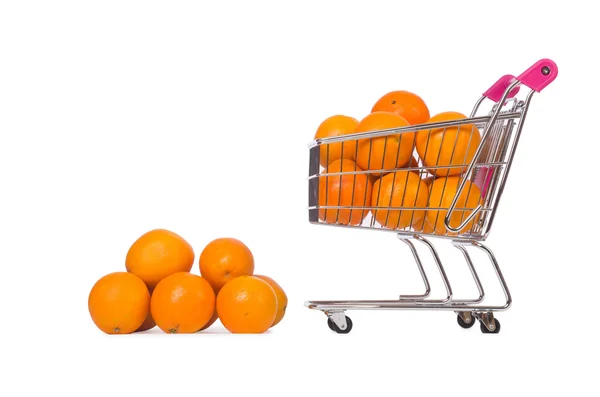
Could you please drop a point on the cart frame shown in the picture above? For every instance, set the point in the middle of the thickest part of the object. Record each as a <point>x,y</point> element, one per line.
<point>498,139</point>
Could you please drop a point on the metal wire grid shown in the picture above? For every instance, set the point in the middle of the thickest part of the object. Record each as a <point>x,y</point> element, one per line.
<point>487,173</point>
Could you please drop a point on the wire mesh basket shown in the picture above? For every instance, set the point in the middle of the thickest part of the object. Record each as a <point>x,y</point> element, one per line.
<point>441,179</point>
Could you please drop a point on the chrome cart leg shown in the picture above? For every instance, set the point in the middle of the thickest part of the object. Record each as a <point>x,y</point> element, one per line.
<point>421,270</point>
<point>467,310</point>
<point>498,273</point>
<point>488,323</point>
<point>475,278</point>
<point>467,319</point>
<point>438,262</point>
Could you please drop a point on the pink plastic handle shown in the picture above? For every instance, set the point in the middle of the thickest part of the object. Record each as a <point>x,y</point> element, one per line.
<point>483,179</point>
<point>539,75</point>
<point>496,91</point>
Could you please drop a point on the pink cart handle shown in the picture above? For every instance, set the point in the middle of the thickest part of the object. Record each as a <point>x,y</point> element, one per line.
<point>496,91</point>
<point>483,179</point>
<point>539,75</point>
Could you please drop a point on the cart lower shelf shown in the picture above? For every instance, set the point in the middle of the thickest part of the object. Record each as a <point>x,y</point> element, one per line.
<point>467,310</point>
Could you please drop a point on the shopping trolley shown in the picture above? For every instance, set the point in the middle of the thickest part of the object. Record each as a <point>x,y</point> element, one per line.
<point>461,181</point>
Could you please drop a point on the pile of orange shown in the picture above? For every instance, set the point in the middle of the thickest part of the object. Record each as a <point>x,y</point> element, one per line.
<point>417,169</point>
<point>157,288</point>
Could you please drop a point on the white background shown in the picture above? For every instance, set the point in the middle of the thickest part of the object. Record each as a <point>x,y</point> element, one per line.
<point>117,117</point>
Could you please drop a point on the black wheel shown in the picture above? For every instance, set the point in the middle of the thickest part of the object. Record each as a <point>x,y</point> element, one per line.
<point>462,323</point>
<point>330,323</point>
<point>486,331</point>
<point>333,326</point>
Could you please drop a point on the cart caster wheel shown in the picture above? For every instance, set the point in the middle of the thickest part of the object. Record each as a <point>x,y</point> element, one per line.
<point>462,322</point>
<point>334,327</point>
<point>330,324</point>
<point>486,331</point>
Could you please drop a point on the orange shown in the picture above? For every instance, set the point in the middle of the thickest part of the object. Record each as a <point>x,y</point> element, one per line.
<point>373,178</point>
<point>119,303</point>
<point>413,163</point>
<point>404,103</point>
<point>247,304</point>
<point>335,126</point>
<point>148,323</point>
<point>344,190</point>
<point>282,299</point>
<point>182,303</point>
<point>427,228</point>
<point>423,226</point>
<point>442,193</point>
<point>429,180</point>
<point>399,189</point>
<point>158,254</point>
<point>224,259</point>
<point>448,146</point>
<point>386,152</point>
<point>214,317</point>
<point>212,320</point>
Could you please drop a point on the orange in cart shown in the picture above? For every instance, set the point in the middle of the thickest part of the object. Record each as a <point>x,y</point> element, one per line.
<point>448,146</point>
<point>386,152</point>
<point>412,163</point>
<point>399,189</point>
<point>423,226</point>
<point>335,126</point>
<point>442,193</point>
<point>374,178</point>
<point>429,180</point>
<point>344,190</point>
<point>404,103</point>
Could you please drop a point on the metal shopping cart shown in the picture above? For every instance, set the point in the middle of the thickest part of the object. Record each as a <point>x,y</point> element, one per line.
<point>450,193</point>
